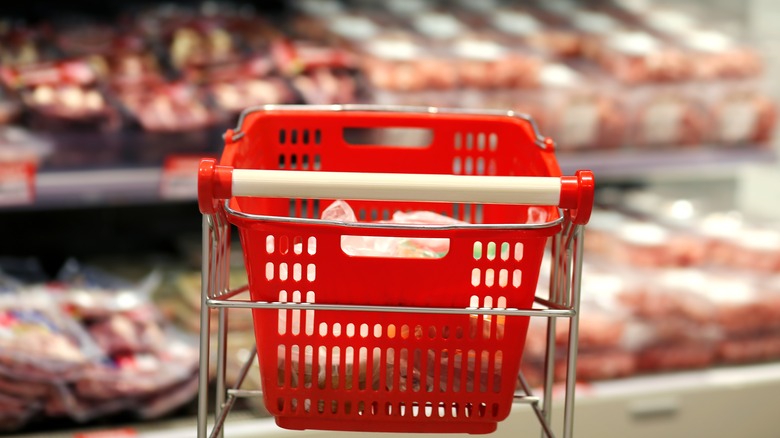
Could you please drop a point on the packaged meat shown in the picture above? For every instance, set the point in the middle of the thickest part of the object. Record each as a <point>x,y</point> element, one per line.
<point>324,86</point>
<point>64,402</point>
<point>171,107</point>
<point>292,57</point>
<point>130,376</point>
<point>346,30</point>
<point>484,62</point>
<point>669,294</point>
<point>642,244</point>
<point>733,241</point>
<point>185,304</point>
<point>743,305</point>
<point>15,413</point>
<point>664,115</point>
<point>581,112</point>
<point>715,55</point>
<point>675,357</point>
<point>636,57</point>
<point>600,235</point>
<point>168,399</point>
<point>750,349</point>
<point>600,365</point>
<point>37,340</point>
<point>716,229</point>
<point>200,41</point>
<point>134,71</point>
<point>29,390</point>
<point>541,28</point>
<point>399,62</point>
<point>233,96</point>
<point>593,28</point>
<point>756,249</point>
<point>19,144</point>
<point>711,53</point>
<point>740,112</point>
<point>63,95</point>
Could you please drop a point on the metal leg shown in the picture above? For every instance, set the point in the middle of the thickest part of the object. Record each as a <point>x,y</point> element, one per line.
<point>549,355</point>
<point>546,429</point>
<point>549,371</point>
<point>233,394</point>
<point>203,376</point>
<point>571,366</point>
<point>222,321</point>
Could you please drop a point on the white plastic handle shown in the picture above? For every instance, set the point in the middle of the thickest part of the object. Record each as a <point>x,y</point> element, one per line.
<point>397,187</point>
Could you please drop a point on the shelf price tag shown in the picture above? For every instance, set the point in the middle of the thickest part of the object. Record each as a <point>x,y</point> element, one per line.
<point>180,177</point>
<point>17,183</point>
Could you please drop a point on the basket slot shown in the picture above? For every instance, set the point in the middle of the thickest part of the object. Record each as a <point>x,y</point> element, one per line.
<point>388,137</point>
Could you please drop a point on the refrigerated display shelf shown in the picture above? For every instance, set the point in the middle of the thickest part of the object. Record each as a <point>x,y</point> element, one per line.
<point>691,163</point>
<point>717,403</point>
<point>132,175</point>
<point>91,169</point>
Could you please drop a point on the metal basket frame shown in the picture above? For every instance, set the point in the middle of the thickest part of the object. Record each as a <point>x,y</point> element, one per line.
<point>563,301</point>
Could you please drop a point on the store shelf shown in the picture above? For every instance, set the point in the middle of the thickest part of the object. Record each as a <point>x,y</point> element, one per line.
<point>94,169</point>
<point>699,163</point>
<point>122,168</point>
<point>717,403</point>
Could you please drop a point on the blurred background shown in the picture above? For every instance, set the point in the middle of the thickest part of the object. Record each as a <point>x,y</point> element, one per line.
<point>106,107</point>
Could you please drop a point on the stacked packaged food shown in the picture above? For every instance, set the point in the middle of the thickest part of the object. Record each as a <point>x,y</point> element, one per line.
<point>88,346</point>
<point>672,285</point>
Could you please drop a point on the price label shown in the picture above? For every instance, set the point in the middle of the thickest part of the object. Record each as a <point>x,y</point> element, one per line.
<point>110,433</point>
<point>17,183</point>
<point>180,177</point>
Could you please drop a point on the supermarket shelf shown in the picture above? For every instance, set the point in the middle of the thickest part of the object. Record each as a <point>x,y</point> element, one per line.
<point>699,163</point>
<point>131,173</point>
<point>98,187</point>
<point>89,169</point>
<point>719,402</point>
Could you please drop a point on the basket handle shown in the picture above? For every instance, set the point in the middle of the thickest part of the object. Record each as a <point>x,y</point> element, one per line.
<point>574,193</point>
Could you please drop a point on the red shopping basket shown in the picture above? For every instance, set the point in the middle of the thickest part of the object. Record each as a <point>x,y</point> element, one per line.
<point>379,371</point>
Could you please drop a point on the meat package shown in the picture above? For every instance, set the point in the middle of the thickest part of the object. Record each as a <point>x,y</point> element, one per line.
<point>81,351</point>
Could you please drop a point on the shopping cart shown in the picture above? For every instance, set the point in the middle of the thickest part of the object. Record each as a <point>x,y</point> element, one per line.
<point>375,343</point>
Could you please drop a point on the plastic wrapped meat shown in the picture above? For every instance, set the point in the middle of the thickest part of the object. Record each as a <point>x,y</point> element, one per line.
<point>120,333</point>
<point>600,365</point>
<point>679,356</point>
<point>672,293</point>
<point>665,115</point>
<point>134,375</point>
<point>25,389</point>
<point>18,144</point>
<point>63,93</point>
<point>236,95</point>
<point>324,86</point>
<point>741,113</point>
<point>714,55</point>
<point>582,112</point>
<point>398,62</point>
<point>173,107</point>
<point>635,57</point>
<point>749,349</point>
<point>15,413</point>
<point>168,399</point>
<point>743,306</point>
<point>36,340</point>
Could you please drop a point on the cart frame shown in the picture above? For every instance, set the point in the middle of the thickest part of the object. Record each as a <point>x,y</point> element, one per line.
<point>563,301</point>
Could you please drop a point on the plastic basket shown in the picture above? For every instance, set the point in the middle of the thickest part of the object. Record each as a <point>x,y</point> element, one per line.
<point>378,371</point>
